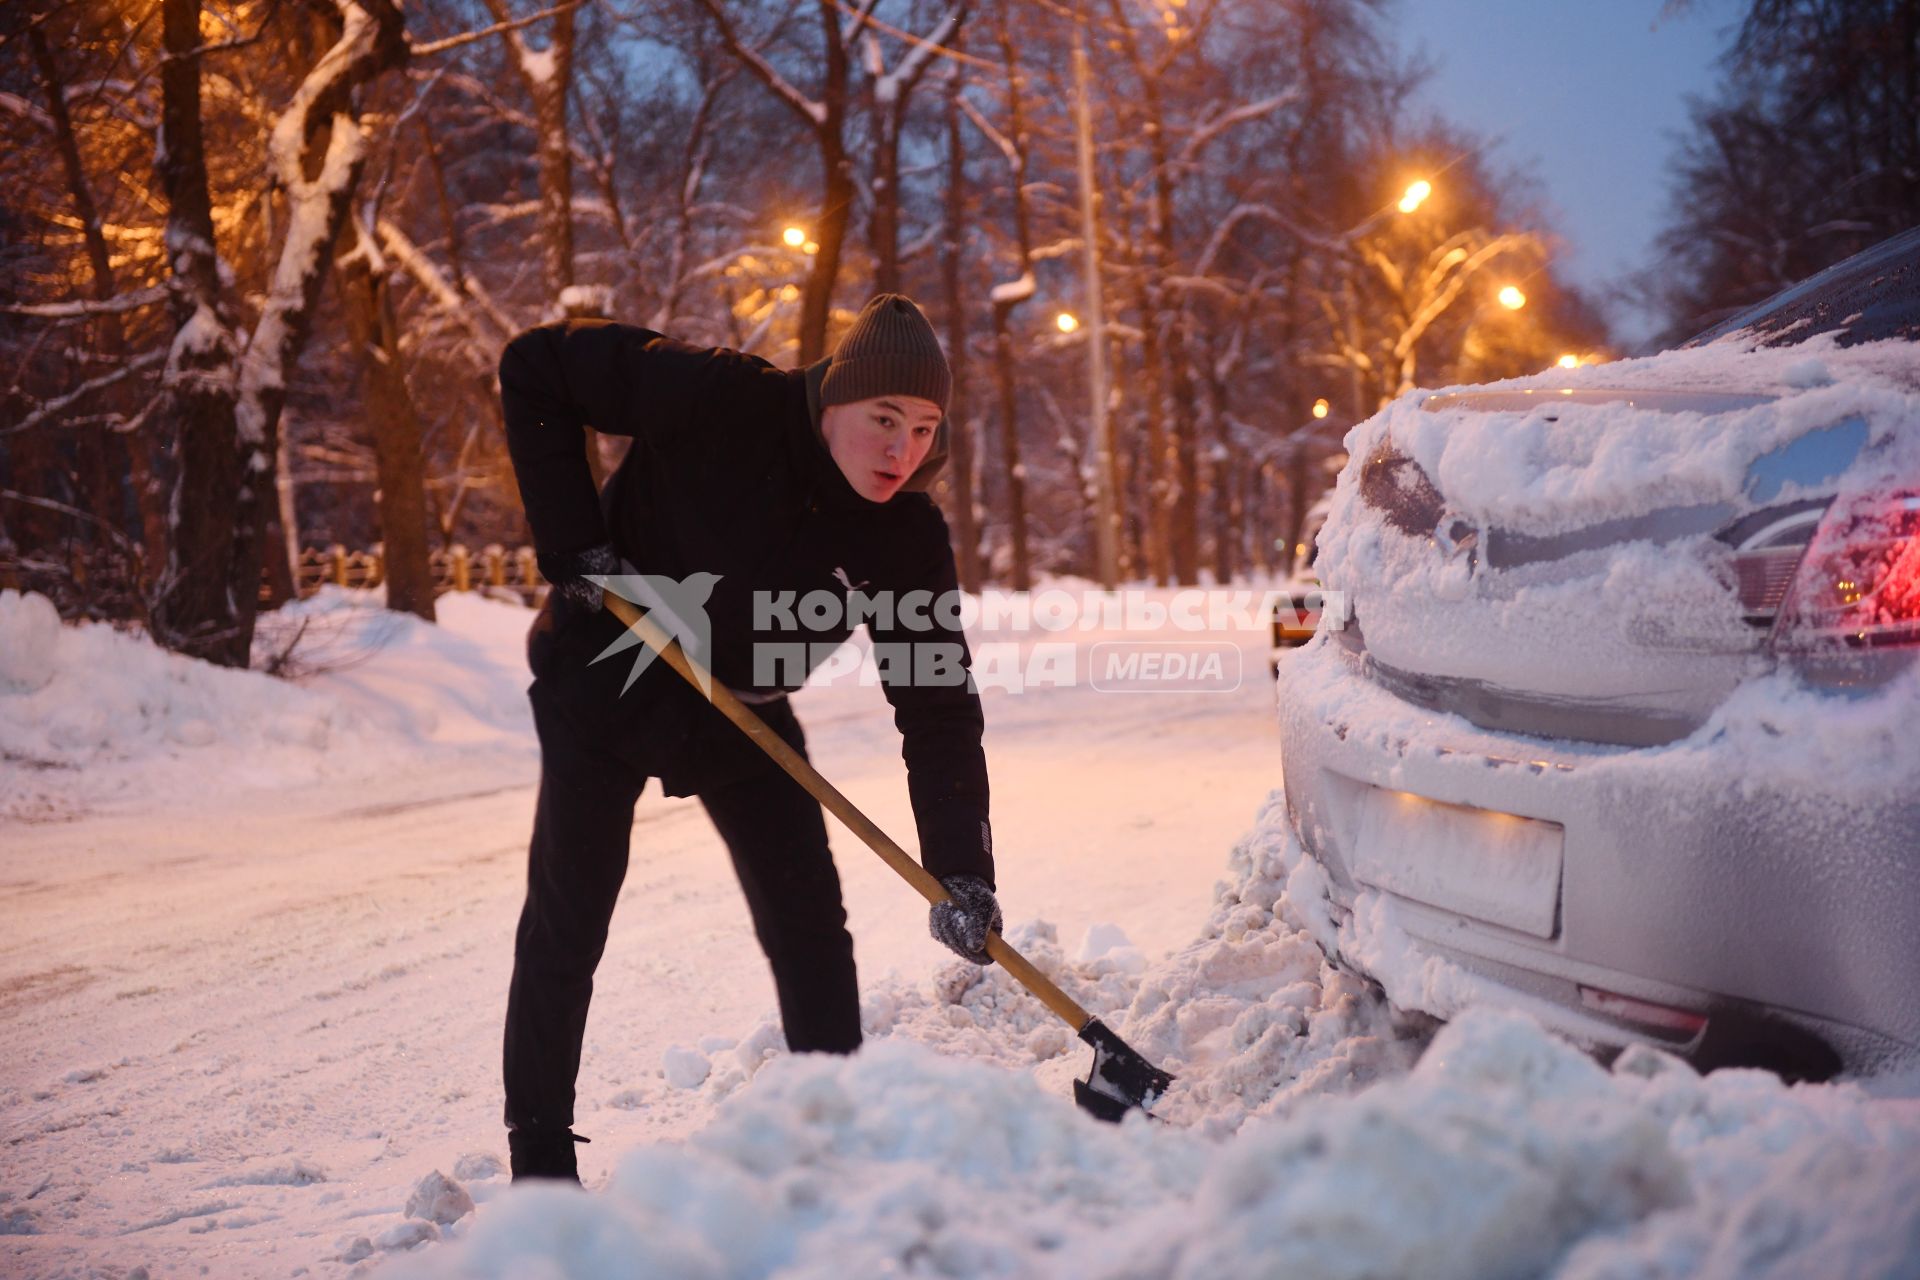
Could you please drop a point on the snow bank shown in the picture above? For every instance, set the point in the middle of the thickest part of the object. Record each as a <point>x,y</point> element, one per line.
<point>90,715</point>
<point>1301,1139</point>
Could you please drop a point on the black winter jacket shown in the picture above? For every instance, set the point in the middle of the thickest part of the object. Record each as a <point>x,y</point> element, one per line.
<point>727,475</point>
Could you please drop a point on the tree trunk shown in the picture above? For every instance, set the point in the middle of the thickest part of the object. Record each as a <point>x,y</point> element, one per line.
<point>1016,472</point>
<point>836,204</point>
<point>959,429</point>
<point>1224,492</point>
<point>364,281</point>
<point>883,224</point>
<point>1160,468</point>
<point>1008,297</point>
<point>556,166</point>
<point>816,302</point>
<point>149,497</point>
<point>1180,482</point>
<point>547,75</point>
<point>196,612</point>
<point>94,442</point>
<point>317,150</point>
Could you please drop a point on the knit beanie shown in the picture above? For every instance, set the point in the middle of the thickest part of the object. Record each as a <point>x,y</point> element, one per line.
<point>889,350</point>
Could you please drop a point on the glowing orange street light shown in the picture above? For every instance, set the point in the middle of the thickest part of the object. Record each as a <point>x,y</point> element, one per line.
<point>1321,408</point>
<point>1512,299</point>
<point>1066,322</point>
<point>794,236</point>
<point>1416,195</point>
<point>1569,361</point>
<point>809,248</point>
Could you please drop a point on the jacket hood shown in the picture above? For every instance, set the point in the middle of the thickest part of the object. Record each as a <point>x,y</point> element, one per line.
<point>923,475</point>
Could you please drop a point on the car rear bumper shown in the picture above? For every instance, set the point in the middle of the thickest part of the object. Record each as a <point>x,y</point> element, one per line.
<point>1671,876</point>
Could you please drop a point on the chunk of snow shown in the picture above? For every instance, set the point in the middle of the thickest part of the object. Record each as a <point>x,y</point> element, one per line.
<point>685,1068</point>
<point>476,1166</point>
<point>406,1235</point>
<point>1013,290</point>
<point>1099,940</point>
<point>537,65</point>
<point>29,641</point>
<point>438,1198</point>
<point>1806,373</point>
<point>765,1044</point>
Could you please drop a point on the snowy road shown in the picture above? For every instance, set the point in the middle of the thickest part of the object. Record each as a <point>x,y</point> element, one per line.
<point>211,1004</point>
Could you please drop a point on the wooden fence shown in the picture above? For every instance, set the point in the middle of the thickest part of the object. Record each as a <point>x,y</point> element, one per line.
<point>492,568</point>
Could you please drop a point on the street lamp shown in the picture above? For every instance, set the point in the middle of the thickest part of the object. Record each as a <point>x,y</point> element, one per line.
<point>794,236</point>
<point>1511,298</point>
<point>1569,361</point>
<point>1416,195</point>
<point>1321,408</point>
<point>1066,322</point>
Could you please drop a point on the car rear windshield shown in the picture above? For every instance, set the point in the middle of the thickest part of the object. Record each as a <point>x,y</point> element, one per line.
<point>1871,296</point>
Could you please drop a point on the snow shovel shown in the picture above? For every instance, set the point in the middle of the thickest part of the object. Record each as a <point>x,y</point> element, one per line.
<point>1120,1080</point>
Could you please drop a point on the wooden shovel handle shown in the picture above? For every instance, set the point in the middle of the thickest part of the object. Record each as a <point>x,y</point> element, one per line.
<point>803,772</point>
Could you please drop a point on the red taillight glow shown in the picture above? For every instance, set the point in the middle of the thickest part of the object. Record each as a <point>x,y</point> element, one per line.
<point>1648,1014</point>
<point>1859,584</point>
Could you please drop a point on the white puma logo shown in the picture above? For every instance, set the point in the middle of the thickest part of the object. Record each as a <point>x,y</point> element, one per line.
<point>840,575</point>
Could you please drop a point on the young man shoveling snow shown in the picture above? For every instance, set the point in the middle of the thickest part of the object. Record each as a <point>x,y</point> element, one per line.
<point>746,489</point>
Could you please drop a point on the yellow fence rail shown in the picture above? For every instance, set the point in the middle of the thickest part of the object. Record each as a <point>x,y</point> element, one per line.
<point>493,568</point>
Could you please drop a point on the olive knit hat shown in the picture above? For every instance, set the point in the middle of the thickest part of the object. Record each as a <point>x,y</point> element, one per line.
<point>889,350</point>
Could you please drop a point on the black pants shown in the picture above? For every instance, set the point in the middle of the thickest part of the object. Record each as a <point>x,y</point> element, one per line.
<point>778,840</point>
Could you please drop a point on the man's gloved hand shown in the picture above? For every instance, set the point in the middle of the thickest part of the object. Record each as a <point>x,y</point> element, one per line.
<point>963,921</point>
<point>568,571</point>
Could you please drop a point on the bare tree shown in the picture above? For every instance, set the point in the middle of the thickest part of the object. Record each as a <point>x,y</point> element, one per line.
<point>547,76</point>
<point>365,277</point>
<point>1013,146</point>
<point>226,397</point>
<point>959,421</point>
<point>889,93</point>
<point>825,117</point>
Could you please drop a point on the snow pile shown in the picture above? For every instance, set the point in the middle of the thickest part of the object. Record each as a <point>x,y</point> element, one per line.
<point>1251,1016</point>
<point>91,715</point>
<point>1300,1139</point>
<point>1504,1153</point>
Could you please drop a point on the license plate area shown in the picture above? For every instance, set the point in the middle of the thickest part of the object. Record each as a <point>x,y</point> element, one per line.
<point>1489,866</point>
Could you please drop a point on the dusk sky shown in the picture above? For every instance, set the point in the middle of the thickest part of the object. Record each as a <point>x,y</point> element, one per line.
<point>1589,95</point>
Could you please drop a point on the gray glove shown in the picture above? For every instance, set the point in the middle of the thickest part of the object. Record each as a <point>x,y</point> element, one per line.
<point>963,921</point>
<point>568,571</point>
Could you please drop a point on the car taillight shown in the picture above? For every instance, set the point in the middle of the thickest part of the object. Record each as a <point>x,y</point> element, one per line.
<point>1859,583</point>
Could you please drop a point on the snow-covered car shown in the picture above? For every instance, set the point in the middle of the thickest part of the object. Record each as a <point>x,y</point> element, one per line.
<point>1623,723</point>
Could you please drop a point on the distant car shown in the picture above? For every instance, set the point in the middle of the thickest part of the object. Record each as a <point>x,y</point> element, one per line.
<point>1297,616</point>
<point>1623,723</point>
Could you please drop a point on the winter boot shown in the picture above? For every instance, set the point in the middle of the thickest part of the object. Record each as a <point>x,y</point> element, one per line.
<point>544,1153</point>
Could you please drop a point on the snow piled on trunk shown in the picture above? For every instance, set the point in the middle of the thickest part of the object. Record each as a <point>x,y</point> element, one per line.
<point>91,716</point>
<point>1302,1139</point>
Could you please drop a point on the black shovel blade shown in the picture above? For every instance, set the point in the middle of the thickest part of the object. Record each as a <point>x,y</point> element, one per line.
<point>1120,1080</point>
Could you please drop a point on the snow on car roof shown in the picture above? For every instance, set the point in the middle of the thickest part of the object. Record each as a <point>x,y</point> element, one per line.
<point>1560,449</point>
